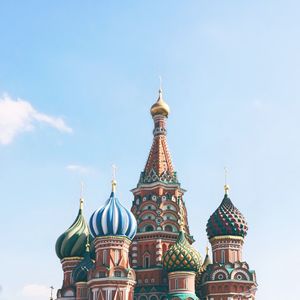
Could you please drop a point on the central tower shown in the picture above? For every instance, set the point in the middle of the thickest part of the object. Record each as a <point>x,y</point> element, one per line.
<point>156,206</point>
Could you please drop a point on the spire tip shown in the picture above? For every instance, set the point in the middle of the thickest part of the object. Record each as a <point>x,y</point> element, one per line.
<point>113,182</point>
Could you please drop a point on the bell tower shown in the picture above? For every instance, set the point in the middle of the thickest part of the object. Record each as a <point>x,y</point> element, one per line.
<point>156,206</point>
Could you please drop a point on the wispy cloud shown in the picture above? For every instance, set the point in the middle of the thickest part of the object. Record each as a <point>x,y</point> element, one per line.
<point>78,169</point>
<point>17,116</point>
<point>36,291</point>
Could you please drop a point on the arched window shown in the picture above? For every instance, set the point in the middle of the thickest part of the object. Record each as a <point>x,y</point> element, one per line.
<point>169,228</point>
<point>149,228</point>
<point>146,261</point>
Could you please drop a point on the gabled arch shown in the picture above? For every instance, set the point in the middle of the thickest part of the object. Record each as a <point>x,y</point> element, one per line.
<point>216,275</point>
<point>240,272</point>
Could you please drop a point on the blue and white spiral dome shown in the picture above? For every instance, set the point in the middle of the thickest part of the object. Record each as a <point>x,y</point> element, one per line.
<point>113,219</point>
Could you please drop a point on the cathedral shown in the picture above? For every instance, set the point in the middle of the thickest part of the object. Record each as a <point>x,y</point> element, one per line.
<point>146,253</point>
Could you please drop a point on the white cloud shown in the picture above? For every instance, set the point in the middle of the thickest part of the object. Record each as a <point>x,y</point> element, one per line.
<point>17,116</point>
<point>78,169</point>
<point>36,290</point>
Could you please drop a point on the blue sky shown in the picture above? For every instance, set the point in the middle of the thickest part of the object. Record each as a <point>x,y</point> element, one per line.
<point>87,74</point>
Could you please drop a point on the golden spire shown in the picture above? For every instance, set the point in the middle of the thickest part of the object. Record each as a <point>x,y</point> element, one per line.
<point>113,182</point>
<point>160,107</point>
<point>226,186</point>
<point>207,250</point>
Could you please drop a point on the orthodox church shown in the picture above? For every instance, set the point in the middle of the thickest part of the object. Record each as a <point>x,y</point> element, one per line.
<point>146,253</point>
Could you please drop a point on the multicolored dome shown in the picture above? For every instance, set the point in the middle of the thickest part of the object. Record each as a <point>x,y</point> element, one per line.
<point>226,220</point>
<point>113,219</point>
<point>73,241</point>
<point>182,256</point>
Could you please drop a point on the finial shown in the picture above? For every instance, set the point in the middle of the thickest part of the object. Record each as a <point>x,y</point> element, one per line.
<point>181,217</point>
<point>159,95</point>
<point>81,189</point>
<point>81,201</point>
<point>226,186</point>
<point>51,295</point>
<point>160,89</point>
<point>160,83</point>
<point>113,182</point>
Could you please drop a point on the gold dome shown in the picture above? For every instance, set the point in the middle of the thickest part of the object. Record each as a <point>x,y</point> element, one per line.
<point>160,107</point>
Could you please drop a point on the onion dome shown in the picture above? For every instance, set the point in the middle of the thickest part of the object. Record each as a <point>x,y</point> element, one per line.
<point>182,256</point>
<point>73,241</point>
<point>160,107</point>
<point>226,220</point>
<point>113,219</point>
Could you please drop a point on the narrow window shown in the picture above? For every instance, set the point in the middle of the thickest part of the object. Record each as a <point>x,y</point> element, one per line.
<point>104,260</point>
<point>146,261</point>
<point>222,256</point>
<point>117,257</point>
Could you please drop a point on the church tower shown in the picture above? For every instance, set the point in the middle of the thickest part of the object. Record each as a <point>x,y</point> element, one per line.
<point>156,206</point>
<point>113,227</point>
<point>95,260</point>
<point>71,249</point>
<point>228,276</point>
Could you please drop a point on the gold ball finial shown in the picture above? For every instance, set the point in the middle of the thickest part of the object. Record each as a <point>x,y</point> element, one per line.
<point>114,182</point>
<point>160,107</point>
<point>113,185</point>
<point>226,189</point>
<point>81,202</point>
<point>226,186</point>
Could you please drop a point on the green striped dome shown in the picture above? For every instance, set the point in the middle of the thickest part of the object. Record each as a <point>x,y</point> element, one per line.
<point>182,256</point>
<point>72,243</point>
